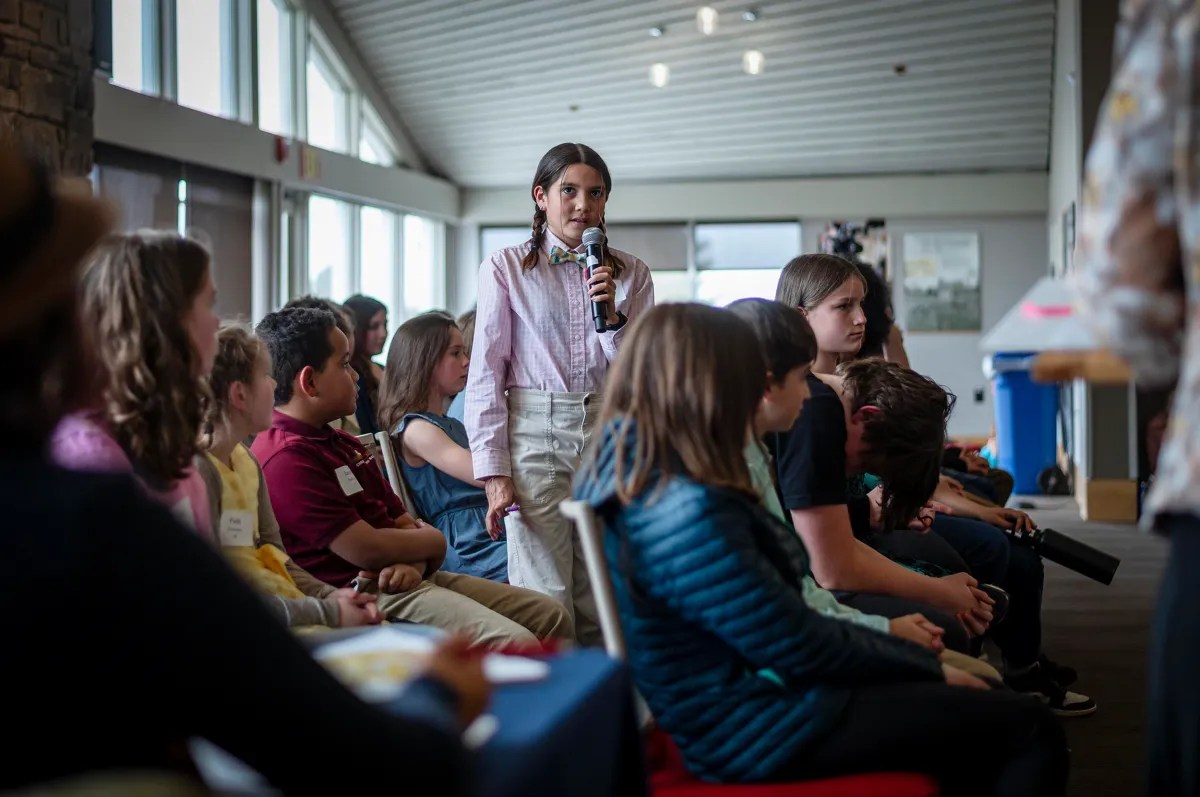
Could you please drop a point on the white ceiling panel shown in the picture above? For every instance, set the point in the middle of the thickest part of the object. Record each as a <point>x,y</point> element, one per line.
<point>486,86</point>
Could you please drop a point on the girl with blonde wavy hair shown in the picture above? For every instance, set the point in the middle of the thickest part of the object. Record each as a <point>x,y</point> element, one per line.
<point>147,299</point>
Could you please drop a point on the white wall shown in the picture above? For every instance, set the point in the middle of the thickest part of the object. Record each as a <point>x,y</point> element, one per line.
<point>937,196</point>
<point>1065,136</point>
<point>1012,257</point>
<point>1103,419</point>
<point>1064,183</point>
<point>727,200</point>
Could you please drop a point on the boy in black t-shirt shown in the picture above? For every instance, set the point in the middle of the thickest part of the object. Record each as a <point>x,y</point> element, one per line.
<point>880,418</point>
<point>813,462</point>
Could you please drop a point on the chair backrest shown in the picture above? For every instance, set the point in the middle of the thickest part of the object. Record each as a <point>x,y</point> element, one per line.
<point>591,537</point>
<point>395,475</point>
<point>592,540</point>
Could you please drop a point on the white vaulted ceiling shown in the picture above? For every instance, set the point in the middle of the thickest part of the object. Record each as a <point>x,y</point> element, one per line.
<point>486,86</point>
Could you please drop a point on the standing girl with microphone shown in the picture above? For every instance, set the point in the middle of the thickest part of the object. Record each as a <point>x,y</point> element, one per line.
<point>539,367</point>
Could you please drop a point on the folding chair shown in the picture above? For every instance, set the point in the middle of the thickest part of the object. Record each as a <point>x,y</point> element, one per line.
<point>392,470</point>
<point>669,776</point>
<point>380,446</point>
<point>590,537</point>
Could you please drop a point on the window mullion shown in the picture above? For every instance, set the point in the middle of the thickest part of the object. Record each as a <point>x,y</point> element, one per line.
<point>300,73</point>
<point>300,254</point>
<point>245,74</point>
<point>354,131</point>
<point>400,265</point>
<point>355,248</point>
<point>169,52</point>
<point>439,263</point>
<point>692,271</point>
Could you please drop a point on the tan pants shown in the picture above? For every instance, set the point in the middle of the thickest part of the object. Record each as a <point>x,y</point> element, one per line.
<point>487,612</point>
<point>547,433</point>
<point>976,667</point>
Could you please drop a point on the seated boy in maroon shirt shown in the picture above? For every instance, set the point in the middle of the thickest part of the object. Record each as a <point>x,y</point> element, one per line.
<point>337,514</point>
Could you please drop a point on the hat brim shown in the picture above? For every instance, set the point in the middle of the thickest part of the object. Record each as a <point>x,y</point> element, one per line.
<point>50,274</point>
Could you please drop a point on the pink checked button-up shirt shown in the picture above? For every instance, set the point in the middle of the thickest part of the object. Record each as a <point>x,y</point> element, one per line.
<point>534,330</point>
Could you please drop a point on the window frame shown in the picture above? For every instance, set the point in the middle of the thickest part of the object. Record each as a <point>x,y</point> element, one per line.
<point>372,126</point>
<point>325,57</point>
<point>295,273</point>
<point>233,25</point>
<point>150,75</point>
<point>292,78</point>
<point>692,269</point>
<point>239,60</point>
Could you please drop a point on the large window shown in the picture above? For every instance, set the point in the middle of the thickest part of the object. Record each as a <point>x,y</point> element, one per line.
<point>724,262</point>
<point>739,261</point>
<point>135,45</point>
<point>275,66</point>
<point>396,258</point>
<point>206,56</point>
<point>423,245</point>
<point>374,142</point>
<point>328,101</point>
<point>377,264</point>
<point>329,236</point>
<point>210,61</point>
<point>492,239</point>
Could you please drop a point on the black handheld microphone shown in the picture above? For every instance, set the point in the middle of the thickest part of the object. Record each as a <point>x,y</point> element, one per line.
<point>1070,553</point>
<point>593,239</point>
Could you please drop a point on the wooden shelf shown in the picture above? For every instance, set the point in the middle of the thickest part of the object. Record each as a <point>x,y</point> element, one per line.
<point>1099,367</point>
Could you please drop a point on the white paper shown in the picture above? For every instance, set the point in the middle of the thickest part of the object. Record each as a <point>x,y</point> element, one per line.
<point>497,668</point>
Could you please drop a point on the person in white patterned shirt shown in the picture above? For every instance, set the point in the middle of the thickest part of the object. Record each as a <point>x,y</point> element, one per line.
<point>1139,253</point>
<point>538,369</point>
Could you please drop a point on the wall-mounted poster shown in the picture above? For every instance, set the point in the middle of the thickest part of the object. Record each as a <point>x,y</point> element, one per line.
<point>941,282</point>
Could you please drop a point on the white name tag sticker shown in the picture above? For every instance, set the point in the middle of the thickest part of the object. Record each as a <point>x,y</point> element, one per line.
<point>620,297</point>
<point>236,529</point>
<point>348,481</point>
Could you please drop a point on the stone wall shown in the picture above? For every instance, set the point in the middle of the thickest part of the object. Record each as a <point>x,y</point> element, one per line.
<point>46,96</point>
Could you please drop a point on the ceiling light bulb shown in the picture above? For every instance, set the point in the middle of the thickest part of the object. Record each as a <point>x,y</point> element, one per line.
<point>753,62</point>
<point>706,20</point>
<point>660,75</point>
<point>750,15</point>
<point>656,31</point>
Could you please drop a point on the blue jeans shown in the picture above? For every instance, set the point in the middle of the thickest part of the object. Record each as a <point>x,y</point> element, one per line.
<point>975,484</point>
<point>992,558</point>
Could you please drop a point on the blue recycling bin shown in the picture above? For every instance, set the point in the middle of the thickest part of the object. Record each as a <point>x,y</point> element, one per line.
<point>1026,420</point>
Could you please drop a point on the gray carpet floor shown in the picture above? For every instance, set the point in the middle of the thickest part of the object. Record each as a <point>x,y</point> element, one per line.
<point>1103,632</point>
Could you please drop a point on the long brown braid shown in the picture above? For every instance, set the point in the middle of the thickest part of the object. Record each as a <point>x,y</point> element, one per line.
<point>549,170</point>
<point>538,234</point>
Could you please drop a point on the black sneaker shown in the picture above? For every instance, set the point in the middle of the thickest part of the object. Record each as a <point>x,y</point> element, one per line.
<point>1038,683</point>
<point>1062,675</point>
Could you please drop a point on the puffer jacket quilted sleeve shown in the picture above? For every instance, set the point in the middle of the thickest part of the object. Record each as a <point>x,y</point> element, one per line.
<point>709,604</point>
